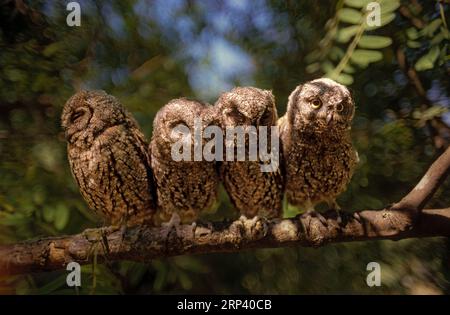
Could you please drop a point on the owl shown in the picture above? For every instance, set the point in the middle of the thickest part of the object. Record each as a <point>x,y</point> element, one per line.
<point>252,191</point>
<point>319,158</point>
<point>109,159</point>
<point>186,183</point>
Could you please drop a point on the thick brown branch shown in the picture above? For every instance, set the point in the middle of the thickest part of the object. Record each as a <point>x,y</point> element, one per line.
<point>146,243</point>
<point>425,189</point>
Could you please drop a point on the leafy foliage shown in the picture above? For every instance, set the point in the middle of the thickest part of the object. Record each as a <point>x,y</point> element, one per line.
<point>347,43</point>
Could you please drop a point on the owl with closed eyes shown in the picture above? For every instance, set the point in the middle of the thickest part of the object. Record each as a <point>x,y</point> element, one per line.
<point>319,158</point>
<point>186,183</point>
<point>109,160</point>
<point>252,191</point>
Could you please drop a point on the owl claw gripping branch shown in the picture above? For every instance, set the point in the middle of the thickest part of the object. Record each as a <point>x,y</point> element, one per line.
<point>127,182</point>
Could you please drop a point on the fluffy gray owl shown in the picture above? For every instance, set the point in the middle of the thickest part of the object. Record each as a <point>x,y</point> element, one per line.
<point>108,158</point>
<point>252,191</point>
<point>319,158</point>
<point>185,186</point>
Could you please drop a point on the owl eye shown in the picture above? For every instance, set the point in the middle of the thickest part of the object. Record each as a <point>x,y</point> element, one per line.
<point>77,115</point>
<point>340,107</point>
<point>177,124</point>
<point>316,103</point>
<point>266,117</point>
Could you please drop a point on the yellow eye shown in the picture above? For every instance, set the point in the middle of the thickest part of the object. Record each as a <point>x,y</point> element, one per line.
<point>340,107</point>
<point>316,103</point>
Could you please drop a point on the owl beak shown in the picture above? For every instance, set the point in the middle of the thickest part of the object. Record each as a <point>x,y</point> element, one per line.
<point>329,117</point>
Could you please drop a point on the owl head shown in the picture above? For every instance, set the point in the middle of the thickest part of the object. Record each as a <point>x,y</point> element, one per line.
<point>175,121</point>
<point>244,106</point>
<point>320,105</point>
<point>88,113</point>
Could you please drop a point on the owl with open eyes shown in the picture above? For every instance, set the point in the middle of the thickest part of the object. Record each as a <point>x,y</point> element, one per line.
<point>109,159</point>
<point>186,185</point>
<point>319,158</point>
<point>252,191</point>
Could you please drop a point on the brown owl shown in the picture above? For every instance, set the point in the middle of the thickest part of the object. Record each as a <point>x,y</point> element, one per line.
<point>319,158</point>
<point>186,183</point>
<point>251,190</point>
<point>108,158</point>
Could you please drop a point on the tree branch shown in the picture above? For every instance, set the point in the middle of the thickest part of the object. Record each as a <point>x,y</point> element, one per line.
<point>404,219</point>
<point>145,243</point>
<point>425,189</point>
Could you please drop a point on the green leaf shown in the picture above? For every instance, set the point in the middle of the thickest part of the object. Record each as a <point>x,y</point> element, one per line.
<point>61,216</point>
<point>351,16</point>
<point>388,6</point>
<point>51,49</point>
<point>357,3</point>
<point>442,56</point>
<point>437,39</point>
<point>430,113</point>
<point>446,32</point>
<point>345,79</point>
<point>427,61</point>
<point>431,28</point>
<point>344,35</point>
<point>47,213</point>
<point>413,44</point>
<point>336,53</point>
<point>374,42</point>
<point>327,66</point>
<point>363,57</point>
<point>385,19</point>
<point>342,78</point>
<point>349,69</point>
<point>313,67</point>
<point>412,33</point>
<point>16,219</point>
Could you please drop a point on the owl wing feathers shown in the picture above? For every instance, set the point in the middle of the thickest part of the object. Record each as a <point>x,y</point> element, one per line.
<point>108,158</point>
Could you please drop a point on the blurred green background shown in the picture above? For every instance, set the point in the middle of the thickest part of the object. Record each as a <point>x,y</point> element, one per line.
<point>149,52</point>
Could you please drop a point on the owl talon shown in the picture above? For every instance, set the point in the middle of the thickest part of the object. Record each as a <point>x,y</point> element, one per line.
<point>174,221</point>
<point>317,215</point>
<point>98,237</point>
<point>357,217</point>
<point>339,217</point>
